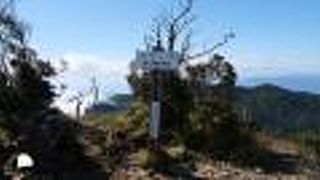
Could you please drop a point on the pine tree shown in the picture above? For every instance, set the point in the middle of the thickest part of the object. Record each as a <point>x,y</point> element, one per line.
<point>25,90</point>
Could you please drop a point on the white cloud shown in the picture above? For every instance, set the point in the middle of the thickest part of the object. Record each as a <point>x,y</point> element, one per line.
<point>251,66</point>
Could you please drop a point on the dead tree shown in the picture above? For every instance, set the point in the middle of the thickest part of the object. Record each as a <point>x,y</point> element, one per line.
<point>78,99</point>
<point>178,23</point>
<point>177,31</point>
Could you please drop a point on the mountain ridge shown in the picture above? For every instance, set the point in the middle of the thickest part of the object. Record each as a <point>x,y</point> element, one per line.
<point>279,109</point>
<point>296,82</point>
<point>272,107</point>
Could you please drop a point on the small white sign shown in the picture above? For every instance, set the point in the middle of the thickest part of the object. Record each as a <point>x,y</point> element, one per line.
<point>24,160</point>
<point>154,123</point>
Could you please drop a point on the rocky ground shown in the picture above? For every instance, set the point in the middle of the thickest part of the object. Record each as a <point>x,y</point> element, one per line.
<point>113,156</point>
<point>214,170</point>
<point>209,171</point>
<point>289,163</point>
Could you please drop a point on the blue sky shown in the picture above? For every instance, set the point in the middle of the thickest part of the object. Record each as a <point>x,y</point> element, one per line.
<point>99,37</point>
<point>288,29</point>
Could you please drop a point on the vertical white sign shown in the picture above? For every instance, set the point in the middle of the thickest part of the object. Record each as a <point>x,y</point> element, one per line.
<point>154,123</point>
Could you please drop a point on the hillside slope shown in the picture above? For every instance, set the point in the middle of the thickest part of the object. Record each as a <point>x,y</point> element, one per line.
<point>273,108</point>
<point>280,110</point>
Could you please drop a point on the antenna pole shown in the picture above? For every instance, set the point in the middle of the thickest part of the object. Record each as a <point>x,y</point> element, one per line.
<point>95,90</point>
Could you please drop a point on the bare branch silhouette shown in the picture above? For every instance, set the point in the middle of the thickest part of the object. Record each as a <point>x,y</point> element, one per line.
<point>210,50</point>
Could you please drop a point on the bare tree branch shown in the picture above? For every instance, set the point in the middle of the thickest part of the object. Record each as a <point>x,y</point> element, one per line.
<point>176,26</point>
<point>185,12</point>
<point>185,24</point>
<point>205,52</point>
<point>186,44</point>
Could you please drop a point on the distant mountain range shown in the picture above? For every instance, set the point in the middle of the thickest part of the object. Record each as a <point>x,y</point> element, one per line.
<point>298,82</point>
<point>118,102</point>
<point>280,110</point>
<point>272,107</point>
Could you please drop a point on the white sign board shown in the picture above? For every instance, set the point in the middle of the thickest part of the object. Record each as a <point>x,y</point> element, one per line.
<point>156,60</point>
